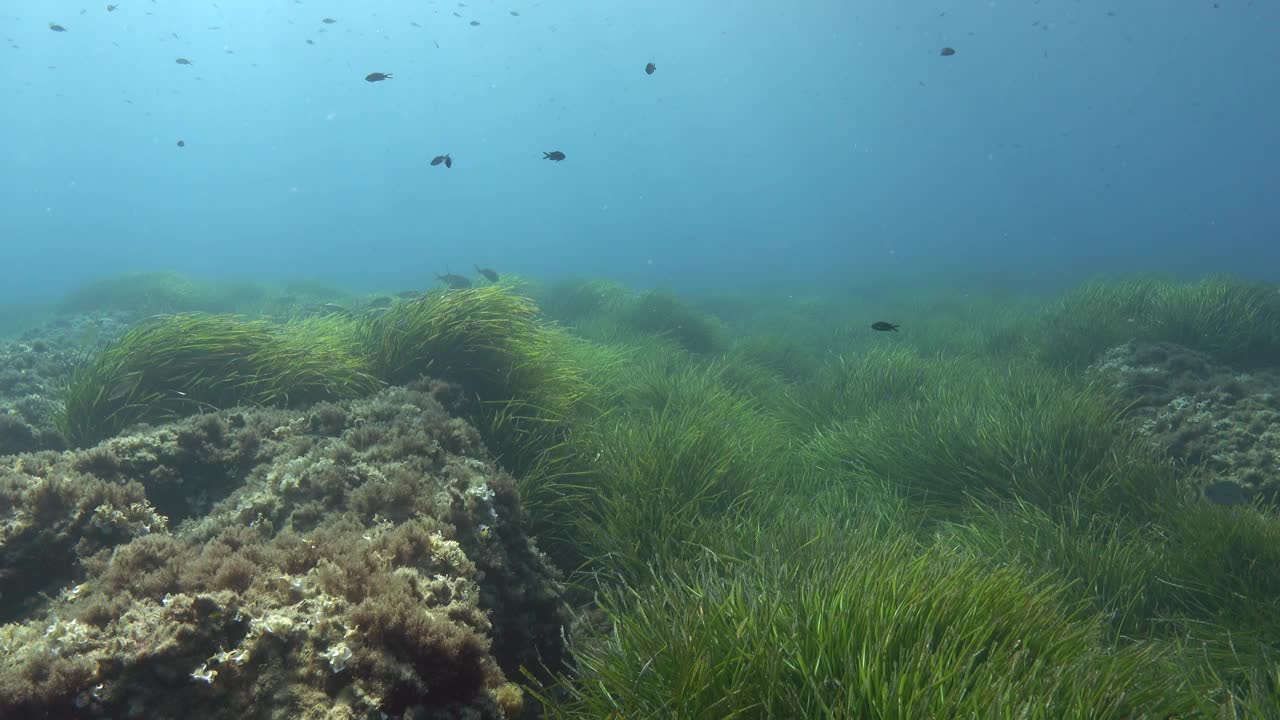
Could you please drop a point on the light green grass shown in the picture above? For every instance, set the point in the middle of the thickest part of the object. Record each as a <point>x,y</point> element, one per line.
<point>493,342</point>
<point>178,365</point>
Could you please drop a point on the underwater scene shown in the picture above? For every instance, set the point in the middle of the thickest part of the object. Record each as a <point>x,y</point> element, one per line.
<point>601,360</point>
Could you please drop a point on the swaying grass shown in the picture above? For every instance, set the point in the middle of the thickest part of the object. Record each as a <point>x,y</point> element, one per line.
<point>663,314</point>
<point>146,292</point>
<point>850,387</point>
<point>682,451</point>
<point>1220,570</point>
<point>311,359</point>
<point>1234,321</point>
<point>1199,578</point>
<point>1118,567</point>
<point>859,623</point>
<point>177,365</point>
<point>1257,698</point>
<point>610,313</point>
<point>785,358</point>
<point>763,527</point>
<point>488,339</point>
<point>150,293</point>
<point>572,301</point>
<point>491,341</point>
<point>982,432</point>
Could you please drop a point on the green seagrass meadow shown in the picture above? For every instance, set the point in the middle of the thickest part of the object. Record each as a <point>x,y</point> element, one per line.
<point>763,513</point>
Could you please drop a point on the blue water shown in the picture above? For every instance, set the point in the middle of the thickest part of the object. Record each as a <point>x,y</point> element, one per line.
<point>793,140</point>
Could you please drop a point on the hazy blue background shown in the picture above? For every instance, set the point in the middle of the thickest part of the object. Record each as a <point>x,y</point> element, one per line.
<point>789,139</point>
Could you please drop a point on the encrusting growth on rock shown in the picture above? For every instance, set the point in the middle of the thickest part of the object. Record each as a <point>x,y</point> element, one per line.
<point>358,555</point>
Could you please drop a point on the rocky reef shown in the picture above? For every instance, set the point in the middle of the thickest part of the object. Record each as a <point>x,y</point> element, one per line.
<point>1224,424</point>
<point>358,559</point>
<point>33,370</point>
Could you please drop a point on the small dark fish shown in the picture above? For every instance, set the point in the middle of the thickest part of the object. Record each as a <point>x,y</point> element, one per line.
<point>553,155</point>
<point>111,8</point>
<point>448,161</point>
<point>514,13</point>
<point>377,77</point>
<point>457,14</point>
<point>311,42</point>
<point>183,61</point>
<point>946,52</point>
<point>328,21</point>
<point>457,282</point>
<point>406,294</point>
<point>182,143</point>
<point>883,326</point>
<point>488,274</point>
<point>1226,492</point>
<point>380,302</point>
<point>648,69</point>
<point>56,27</point>
<point>415,24</point>
<point>475,23</point>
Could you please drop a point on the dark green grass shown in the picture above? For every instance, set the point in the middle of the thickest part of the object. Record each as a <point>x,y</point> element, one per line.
<point>679,451</point>
<point>844,621</point>
<point>663,314</point>
<point>610,313</point>
<point>1234,321</point>
<point>922,524</point>
<point>572,301</point>
<point>1117,566</point>
<point>794,362</point>
<point>1220,580</point>
<point>1060,524</point>
<point>937,315</point>
<point>1200,577</point>
<point>848,387</point>
<point>977,430</point>
<point>178,365</point>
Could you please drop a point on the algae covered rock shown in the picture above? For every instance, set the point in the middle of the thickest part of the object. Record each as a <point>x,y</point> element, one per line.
<point>31,374</point>
<point>1222,423</point>
<point>356,559</point>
